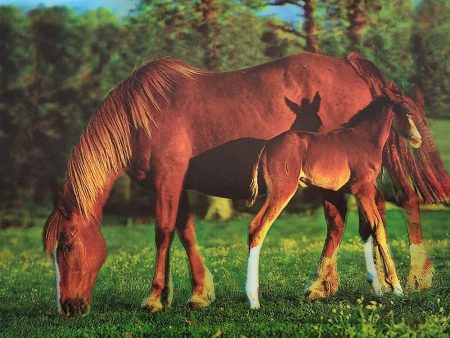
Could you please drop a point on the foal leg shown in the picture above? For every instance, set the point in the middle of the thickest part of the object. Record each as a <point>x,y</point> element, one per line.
<point>169,184</point>
<point>421,273</point>
<point>327,278</point>
<point>374,263</point>
<point>366,200</point>
<point>279,196</point>
<point>202,279</point>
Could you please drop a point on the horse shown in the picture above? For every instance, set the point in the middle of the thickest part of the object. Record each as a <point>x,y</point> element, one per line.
<point>166,113</point>
<point>348,159</point>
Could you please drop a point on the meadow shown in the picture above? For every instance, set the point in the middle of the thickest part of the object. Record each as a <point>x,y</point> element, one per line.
<point>289,260</point>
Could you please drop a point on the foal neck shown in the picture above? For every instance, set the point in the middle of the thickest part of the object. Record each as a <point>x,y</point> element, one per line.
<point>374,125</point>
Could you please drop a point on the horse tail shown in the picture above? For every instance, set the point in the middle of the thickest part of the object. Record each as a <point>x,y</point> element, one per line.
<point>254,187</point>
<point>422,171</point>
<point>105,146</point>
<point>434,182</point>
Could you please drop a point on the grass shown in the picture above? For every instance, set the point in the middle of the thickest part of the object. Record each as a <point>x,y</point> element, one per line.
<point>440,130</point>
<point>289,259</point>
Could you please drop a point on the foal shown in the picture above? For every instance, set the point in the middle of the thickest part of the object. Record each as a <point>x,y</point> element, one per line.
<point>346,159</point>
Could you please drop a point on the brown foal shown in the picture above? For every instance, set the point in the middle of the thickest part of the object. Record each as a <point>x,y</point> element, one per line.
<point>348,159</point>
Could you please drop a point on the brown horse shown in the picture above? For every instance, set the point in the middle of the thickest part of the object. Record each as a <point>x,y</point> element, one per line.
<point>153,123</point>
<point>347,160</point>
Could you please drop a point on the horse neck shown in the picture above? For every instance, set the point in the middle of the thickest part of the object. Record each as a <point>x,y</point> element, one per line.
<point>101,198</point>
<point>377,130</point>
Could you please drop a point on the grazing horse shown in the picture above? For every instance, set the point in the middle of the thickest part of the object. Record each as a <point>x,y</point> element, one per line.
<point>166,113</point>
<point>348,159</point>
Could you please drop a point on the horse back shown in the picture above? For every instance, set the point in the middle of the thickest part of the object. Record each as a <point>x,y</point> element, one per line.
<point>251,102</point>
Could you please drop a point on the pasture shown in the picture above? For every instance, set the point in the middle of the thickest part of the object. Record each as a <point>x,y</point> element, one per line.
<point>288,261</point>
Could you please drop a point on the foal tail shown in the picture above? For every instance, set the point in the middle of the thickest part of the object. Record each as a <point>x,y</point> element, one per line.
<point>423,170</point>
<point>254,187</point>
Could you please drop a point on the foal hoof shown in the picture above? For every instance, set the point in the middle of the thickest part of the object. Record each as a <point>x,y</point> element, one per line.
<point>398,291</point>
<point>152,305</point>
<point>322,289</point>
<point>204,297</point>
<point>253,300</point>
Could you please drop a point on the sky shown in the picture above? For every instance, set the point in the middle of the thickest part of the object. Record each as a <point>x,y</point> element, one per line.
<point>122,7</point>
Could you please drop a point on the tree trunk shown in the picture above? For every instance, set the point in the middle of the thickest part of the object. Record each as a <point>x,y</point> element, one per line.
<point>310,28</point>
<point>357,20</point>
<point>218,208</point>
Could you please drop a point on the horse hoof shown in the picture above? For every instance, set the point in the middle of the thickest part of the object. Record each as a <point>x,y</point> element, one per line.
<point>322,289</point>
<point>313,295</point>
<point>205,297</point>
<point>421,277</point>
<point>152,305</point>
<point>202,300</point>
<point>398,291</point>
<point>254,305</point>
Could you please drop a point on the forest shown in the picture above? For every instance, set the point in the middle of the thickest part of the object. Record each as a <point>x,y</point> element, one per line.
<point>56,65</point>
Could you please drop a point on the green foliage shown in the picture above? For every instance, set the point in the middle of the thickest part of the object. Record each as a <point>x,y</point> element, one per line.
<point>288,262</point>
<point>431,47</point>
<point>56,66</point>
<point>387,40</point>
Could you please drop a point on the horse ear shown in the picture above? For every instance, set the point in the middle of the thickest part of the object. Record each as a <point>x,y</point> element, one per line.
<point>63,204</point>
<point>394,88</point>
<point>388,92</point>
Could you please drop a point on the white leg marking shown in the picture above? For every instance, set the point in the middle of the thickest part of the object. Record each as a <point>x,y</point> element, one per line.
<point>252,283</point>
<point>58,280</point>
<point>372,275</point>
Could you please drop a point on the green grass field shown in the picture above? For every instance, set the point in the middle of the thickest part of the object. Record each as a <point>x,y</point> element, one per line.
<point>288,262</point>
<point>289,259</point>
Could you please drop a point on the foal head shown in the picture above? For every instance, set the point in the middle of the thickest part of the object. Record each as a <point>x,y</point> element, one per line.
<point>403,107</point>
<point>78,250</point>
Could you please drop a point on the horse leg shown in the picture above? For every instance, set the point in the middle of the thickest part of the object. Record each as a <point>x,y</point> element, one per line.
<point>202,279</point>
<point>374,264</point>
<point>421,273</point>
<point>366,200</point>
<point>168,189</point>
<point>327,278</point>
<point>280,194</point>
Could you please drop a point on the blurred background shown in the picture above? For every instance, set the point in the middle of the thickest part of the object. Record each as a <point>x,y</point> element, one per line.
<point>58,59</point>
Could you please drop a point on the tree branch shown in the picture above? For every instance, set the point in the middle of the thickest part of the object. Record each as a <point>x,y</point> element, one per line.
<point>286,29</point>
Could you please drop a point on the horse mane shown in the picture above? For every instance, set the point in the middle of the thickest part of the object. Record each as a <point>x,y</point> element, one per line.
<point>423,170</point>
<point>104,148</point>
<point>50,233</point>
<point>371,112</point>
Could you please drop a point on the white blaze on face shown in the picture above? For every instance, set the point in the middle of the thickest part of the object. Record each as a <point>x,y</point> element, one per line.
<point>372,275</point>
<point>58,280</point>
<point>414,134</point>
<point>252,283</point>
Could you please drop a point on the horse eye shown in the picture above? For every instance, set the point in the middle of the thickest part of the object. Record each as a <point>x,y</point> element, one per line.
<point>68,248</point>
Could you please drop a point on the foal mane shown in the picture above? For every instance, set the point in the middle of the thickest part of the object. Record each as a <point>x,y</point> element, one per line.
<point>104,148</point>
<point>372,112</point>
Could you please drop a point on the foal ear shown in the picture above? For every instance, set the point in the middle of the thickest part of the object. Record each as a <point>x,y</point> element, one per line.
<point>394,88</point>
<point>63,204</point>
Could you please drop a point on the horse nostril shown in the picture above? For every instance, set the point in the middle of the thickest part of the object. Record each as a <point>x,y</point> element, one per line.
<point>72,307</point>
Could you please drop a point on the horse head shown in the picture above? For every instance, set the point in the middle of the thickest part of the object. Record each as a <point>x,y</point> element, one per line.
<point>403,108</point>
<point>78,250</point>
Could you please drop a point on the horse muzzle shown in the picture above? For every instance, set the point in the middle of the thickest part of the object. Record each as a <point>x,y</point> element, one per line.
<point>73,307</point>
